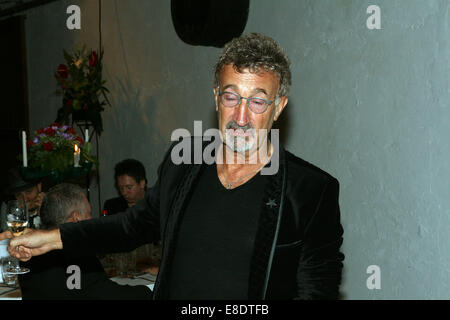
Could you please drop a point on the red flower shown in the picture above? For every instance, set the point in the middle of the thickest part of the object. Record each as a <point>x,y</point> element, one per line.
<point>63,71</point>
<point>69,103</point>
<point>40,131</point>
<point>55,124</point>
<point>93,59</point>
<point>30,143</point>
<point>70,131</point>
<point>80,140</point>
<point>48,146</point>
<point>49,131</point>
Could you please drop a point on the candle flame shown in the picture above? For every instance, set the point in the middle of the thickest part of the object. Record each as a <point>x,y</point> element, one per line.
<point>76,148</point>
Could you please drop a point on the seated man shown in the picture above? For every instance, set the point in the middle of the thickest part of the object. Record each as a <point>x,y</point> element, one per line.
<point>131,183</point>
<point>49,275</point>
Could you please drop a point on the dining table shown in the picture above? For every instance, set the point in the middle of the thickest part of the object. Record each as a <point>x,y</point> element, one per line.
<point>12,292</point>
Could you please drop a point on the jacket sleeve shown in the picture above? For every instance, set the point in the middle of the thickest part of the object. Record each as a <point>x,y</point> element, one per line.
<point>320,266</point>
<point>122,232</point>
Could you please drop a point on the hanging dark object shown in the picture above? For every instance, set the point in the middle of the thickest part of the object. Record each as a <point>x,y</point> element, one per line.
<point>209,22</point>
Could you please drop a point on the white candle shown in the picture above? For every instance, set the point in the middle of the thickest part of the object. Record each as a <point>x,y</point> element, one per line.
<point>86,135</point>
<point>76,156</point>
<point>24,149</point>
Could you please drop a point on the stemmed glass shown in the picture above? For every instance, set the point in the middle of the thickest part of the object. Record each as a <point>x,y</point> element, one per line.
<point>17,221</point>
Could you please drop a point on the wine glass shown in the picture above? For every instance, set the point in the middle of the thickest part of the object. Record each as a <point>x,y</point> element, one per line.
<point>17,221</point>
<point>8,263</point>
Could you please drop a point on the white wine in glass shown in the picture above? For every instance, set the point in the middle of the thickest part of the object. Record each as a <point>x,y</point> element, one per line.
<point>17,221</point>
<point>17,227</point>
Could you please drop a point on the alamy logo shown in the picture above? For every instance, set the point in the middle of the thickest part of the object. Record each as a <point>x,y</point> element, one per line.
<point>374,281</point>
<point>74,20</point>
<point>374,20</point>
<point>74,280</point>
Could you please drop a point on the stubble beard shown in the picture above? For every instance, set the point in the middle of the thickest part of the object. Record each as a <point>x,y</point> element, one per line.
<point>240,144</point>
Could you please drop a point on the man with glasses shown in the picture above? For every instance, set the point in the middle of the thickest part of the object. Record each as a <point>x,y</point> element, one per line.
<point>229,231</point>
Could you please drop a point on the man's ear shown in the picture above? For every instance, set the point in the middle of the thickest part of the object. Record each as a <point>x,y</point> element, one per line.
<point>280,107</point>
<point>142,184</point>
<point>75,216</point>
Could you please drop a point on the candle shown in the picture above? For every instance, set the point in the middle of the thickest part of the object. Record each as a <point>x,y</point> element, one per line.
<point>86,135</point>
<point>24,149</point>
<point>76,156</point>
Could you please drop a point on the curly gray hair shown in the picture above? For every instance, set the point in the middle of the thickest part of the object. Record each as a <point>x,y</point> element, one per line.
<point>255,51</point>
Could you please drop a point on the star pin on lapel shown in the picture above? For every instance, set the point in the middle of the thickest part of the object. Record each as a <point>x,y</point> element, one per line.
<point>271,203</point>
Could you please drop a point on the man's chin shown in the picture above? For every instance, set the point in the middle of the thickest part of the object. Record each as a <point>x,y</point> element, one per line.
<point>239,146</point>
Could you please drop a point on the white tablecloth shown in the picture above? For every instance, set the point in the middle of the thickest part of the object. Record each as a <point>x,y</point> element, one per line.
<point>145,279</point>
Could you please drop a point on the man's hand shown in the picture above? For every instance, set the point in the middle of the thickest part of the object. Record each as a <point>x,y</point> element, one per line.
<point>33,243</point>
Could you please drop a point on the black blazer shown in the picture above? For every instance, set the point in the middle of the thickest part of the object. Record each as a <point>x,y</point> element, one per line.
<point>48,277</point>
<point>296,254</point>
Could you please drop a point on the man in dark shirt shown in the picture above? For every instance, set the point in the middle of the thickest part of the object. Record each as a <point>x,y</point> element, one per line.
<point>131,183</point>
<point>229,230</point>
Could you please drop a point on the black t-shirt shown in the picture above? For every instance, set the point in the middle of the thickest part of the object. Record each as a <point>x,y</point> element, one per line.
<point>216,239</point>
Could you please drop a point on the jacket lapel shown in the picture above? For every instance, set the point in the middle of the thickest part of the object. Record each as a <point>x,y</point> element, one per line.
<point>267,232</point>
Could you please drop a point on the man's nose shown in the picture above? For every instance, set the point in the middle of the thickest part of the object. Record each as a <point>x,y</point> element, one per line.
<point>241,113</point>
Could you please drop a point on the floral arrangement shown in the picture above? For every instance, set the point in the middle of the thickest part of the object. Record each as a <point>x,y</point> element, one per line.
<point>51,149</point>
<point>81,84</point>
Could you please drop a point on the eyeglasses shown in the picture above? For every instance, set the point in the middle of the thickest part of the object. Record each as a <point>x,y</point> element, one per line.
<point>256,105</point>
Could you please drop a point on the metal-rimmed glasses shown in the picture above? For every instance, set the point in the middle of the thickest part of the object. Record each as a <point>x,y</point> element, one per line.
<point>256,105</point>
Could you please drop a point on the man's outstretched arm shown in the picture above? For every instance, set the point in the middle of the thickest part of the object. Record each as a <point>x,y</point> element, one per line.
<point>118,233</point>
